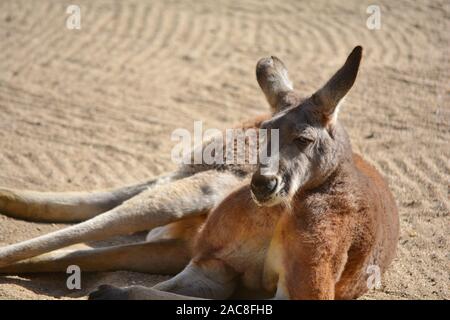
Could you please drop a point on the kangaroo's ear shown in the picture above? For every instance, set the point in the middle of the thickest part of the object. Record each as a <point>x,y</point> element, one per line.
<point>328,97</point>
<point>273,79</point>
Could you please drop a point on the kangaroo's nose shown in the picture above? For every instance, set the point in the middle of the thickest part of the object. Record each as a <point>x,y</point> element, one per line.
<point>263,186</point>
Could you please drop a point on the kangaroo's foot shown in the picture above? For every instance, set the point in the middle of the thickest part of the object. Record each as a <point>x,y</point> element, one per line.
<point>210,279</point>
<point>108,292</point>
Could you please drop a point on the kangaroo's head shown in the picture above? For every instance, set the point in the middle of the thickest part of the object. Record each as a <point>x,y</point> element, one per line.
<point>311,141</point>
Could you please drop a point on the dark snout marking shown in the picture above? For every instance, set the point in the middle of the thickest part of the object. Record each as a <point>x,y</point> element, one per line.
<point>263,186</point>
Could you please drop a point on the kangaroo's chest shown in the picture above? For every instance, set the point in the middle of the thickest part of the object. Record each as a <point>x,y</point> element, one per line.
<point>240,233</point>
<point>255,255</point>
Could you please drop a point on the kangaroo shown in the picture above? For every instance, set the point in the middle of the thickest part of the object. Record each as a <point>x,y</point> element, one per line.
<point>308,231</point>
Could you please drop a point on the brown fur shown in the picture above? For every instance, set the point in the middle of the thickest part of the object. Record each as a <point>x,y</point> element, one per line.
<point>326,240</point>
<point>318,241</point>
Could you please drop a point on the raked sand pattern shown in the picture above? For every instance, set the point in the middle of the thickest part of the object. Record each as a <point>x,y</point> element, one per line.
<point>95,108</point>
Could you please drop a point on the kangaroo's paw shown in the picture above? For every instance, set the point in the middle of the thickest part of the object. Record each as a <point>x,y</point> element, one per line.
<point>108,292</point>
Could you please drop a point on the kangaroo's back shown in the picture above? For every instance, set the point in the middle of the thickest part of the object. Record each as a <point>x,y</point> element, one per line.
<point>375,232</point>
<point>385,212</point>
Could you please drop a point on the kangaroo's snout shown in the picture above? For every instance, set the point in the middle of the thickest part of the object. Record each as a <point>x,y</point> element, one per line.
<point>263,186</point>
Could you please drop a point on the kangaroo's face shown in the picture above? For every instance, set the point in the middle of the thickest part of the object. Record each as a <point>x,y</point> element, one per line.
<point>310,145</point>
<point>308,153</point>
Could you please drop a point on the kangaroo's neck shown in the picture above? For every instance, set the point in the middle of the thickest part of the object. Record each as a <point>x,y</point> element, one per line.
<point>344,150</point>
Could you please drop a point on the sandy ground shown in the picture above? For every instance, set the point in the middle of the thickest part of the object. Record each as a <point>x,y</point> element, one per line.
<point>94,108</point>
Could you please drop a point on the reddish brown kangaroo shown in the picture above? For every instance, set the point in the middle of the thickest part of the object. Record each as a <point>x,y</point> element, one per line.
<point>310,230</point>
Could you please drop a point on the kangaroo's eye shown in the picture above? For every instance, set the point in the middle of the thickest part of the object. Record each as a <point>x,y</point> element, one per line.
<point>302,141</point>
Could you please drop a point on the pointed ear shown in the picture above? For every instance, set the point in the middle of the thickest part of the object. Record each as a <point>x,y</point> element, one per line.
<point>274,81</point>
<point>329,96</point>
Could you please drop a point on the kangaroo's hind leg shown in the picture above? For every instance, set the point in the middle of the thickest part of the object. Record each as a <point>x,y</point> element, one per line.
<point>158,206</point>
<point>69,206</point>
<point>159,257</point>
<point>168,252</point>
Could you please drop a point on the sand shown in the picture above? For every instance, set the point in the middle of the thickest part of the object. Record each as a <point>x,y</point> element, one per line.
<point>95,107</point>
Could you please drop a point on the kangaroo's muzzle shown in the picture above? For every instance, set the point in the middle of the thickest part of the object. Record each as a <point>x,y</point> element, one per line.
<point>263,187</point>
